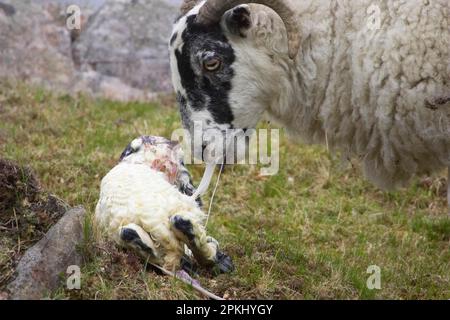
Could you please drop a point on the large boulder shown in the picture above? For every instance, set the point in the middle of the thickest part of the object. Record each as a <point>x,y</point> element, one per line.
<point>128,40</point>
<point>35,45</point>
<point>120,53</point>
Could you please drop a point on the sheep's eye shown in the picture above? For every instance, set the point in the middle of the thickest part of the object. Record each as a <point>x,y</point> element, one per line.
<point>212,64</point>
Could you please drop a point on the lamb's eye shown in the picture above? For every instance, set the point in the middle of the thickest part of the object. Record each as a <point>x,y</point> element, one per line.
<point>212,64</point>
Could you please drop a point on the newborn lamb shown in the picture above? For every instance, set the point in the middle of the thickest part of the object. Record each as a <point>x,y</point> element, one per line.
<point>146,204</point>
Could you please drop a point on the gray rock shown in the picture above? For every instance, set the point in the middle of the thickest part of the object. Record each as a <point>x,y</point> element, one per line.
<point>7,9</point>
<point>128,40</point>
<point>120,53</point>
<point>39,270</point>
<point>35,45</point>
<point>108,87</point>
<point>95,4</point>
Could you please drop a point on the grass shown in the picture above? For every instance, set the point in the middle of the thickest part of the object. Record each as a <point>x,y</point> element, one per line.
<point>309,232</point>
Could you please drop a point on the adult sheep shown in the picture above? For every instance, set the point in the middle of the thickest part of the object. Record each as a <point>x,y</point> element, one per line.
<point>370,78</point>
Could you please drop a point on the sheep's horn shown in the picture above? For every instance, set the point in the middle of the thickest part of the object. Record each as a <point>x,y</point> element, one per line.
<point>212,11</point>
<point>187,6</point>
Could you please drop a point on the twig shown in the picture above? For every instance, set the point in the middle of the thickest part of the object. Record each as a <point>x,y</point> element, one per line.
<point>15,218</point>
<point>18,245</point>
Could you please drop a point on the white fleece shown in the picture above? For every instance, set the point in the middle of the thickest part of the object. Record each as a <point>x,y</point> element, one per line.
<point>371,93</point>
<point>135,193</point>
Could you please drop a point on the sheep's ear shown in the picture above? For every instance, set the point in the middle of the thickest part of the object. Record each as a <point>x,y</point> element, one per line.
<point>238,20</point>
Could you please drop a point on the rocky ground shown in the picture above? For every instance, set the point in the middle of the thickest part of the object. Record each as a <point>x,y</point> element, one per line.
<point>26,214</point>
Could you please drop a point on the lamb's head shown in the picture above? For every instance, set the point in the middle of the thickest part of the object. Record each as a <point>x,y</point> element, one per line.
<point>221,68</point>
<point>158,153</point>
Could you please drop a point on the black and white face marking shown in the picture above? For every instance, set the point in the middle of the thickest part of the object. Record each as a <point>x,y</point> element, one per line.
<point>202,69</point>
<point>136,145</point>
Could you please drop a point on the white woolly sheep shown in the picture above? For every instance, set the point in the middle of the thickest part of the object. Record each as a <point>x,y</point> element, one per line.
<point>370,78</point>
<point>141,208</point>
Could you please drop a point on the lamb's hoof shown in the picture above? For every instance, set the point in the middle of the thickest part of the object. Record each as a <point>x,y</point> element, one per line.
<point>131,237</point>
<point>184,226</point>
<point>223,263</point>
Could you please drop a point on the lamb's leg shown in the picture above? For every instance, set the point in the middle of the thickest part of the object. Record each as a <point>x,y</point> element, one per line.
<point>205,249</point>
<point>134,237</point>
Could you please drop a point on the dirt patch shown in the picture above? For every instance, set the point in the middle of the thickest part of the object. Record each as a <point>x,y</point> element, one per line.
<point>26,214</point>
<point>16,184</point>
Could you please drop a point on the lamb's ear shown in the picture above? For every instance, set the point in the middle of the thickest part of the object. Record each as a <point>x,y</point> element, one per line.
<point>238,20</point>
